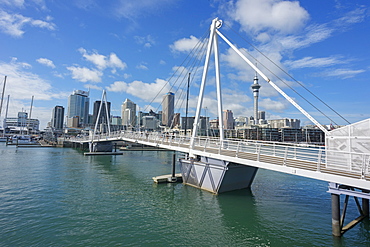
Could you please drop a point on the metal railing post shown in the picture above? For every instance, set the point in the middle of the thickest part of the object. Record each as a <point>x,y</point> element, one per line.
<point>319,161</point>
<point>285,156</point>
<point>237,150</point>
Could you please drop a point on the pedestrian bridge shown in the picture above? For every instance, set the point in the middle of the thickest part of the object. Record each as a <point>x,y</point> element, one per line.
<point>221,164</point>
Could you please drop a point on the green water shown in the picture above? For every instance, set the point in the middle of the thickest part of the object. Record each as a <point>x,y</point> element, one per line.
<point>58,197</point>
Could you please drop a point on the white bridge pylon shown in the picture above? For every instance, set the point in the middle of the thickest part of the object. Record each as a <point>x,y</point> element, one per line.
<point>105,103</point>
<point>213,43</point>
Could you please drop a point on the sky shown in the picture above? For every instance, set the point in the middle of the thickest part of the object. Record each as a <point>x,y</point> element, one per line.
<point>135,49</point>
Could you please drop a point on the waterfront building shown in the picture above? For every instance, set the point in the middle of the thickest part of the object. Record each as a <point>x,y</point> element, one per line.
<point>78,106</point>
<point>141,116</point>
<point>22,123</point>
<point>116,120</point>
<point>240,122</point>
<point>261,115</point>
<point>188,122</point>
<point>57,117</point>
<point>128,113</point>
<point>213,124</point>
<point>104,117</point>
<point>176,120</point>
<point>228,119</point>
<point>150,123</point>
<point>168,109</point>
<point>73,122</point>
<point>285,123</point>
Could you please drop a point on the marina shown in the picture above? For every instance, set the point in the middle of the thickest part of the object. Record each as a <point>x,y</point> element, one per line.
<point>225,148</point>
<point>62,198</point>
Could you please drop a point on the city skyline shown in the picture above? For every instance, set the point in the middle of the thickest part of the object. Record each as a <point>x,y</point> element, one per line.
<point>53,48</point>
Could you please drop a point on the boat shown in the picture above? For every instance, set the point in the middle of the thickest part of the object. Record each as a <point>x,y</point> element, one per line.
<point>22,140</point>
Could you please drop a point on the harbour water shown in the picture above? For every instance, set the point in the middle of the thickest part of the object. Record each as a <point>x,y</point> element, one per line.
<point>59,197</point>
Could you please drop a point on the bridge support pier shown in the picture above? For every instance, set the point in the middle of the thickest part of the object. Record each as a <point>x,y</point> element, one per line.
<point>215,175</point>
<point>338,226</point>
<point>365,205</point>
<point>105,146</point>
<point>335,215</point>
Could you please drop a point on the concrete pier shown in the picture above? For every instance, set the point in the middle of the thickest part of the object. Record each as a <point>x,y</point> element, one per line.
<point>335,215</point>
<point>217,176</point>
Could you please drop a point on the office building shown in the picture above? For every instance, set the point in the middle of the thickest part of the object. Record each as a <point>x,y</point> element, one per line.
<point>22,123</point>
<point>285,123</point>
<point>150,123</point>
<point>78,106</point>
<point>168,109</point>
<point>116,120</point>
<point>228,119</point>
<point>128,113</point>
<point>57,117</point>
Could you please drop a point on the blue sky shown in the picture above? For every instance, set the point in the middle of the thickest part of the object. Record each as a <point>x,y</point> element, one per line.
<point>132,48</point>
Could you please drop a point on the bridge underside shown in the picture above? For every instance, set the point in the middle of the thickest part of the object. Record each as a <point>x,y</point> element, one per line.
<point>216,176</point>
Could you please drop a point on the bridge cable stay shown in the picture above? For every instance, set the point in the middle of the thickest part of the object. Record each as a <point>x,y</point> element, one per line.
<point>193,69</point>
<point>287,97</point>
<point>179,69</point>
<point>291,77</point>
<point>193,64</point>
<point>190,64</point>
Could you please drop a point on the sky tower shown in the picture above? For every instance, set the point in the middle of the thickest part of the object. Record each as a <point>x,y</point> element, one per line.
<point>255,87</point>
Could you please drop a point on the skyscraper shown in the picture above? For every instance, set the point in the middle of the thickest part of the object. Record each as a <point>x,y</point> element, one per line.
<point>128,111</point>
<point>78,106</point>
<point>168,109</point>
<point>57,117</point>
<point>103,118</point>
<point>228,119</point>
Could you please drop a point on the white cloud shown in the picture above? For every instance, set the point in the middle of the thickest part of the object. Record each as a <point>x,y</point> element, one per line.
<point>274,105</point>
<point>13,24</point>
<point>142,66</point>
<point>22,84</point>
<point>142,90</point>
<point>313,34</point>
<point>83,74</point>
<point>310,62</point>
<point>46,62</point>
<point>101,61</point>
<point>341,73</point>
<point>185,44</point>
<point>354,16</point>
<point>15,3</point>
<point>115,62</point>
<point>258,15</point>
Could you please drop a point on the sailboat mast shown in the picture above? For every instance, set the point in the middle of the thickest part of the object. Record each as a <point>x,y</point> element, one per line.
<point>187,106</point>
<point>2,96</point>
<point>29,118</point>
<point>7,106</point>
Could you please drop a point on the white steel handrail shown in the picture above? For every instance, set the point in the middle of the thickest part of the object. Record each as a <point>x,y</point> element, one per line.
<point>345,161</point>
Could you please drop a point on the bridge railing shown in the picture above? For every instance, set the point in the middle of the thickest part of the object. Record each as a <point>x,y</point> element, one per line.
<point>358,163</point>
